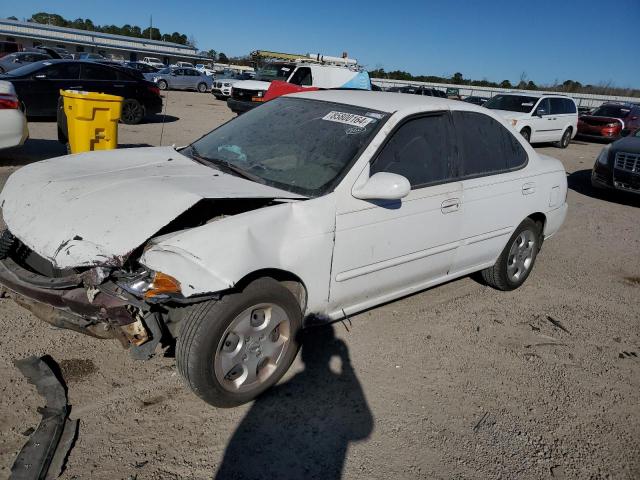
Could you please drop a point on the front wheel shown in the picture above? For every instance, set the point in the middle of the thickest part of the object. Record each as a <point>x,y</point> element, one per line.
<point>132,112</point>
<point>202,87</point>
<point>526,133</point>
<point>517,258</point>
<point>162,85</point>
<point>231,350</point>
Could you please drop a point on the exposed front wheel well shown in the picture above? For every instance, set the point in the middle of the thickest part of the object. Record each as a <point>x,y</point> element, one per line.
<point>290,281</point>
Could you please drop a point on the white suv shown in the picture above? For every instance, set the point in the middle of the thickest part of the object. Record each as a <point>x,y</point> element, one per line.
<point>153,61</point>
<point>539,118</point>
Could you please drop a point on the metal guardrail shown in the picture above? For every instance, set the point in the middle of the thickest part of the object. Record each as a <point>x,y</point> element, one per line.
<point>582,99</point>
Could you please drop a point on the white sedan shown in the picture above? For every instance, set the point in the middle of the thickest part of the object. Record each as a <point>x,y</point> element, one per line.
<point>13,123</point>
<point>309,208</point>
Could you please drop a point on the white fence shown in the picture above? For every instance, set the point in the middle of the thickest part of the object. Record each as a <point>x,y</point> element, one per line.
<point>582,99</point>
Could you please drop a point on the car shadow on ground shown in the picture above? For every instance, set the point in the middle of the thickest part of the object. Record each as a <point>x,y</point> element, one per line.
<point>301,429</point>
<point>33,150</point>
<point>580,181</point>
<point>160,118</point>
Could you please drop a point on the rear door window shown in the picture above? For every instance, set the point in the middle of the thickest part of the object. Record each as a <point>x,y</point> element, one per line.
<point>62,71</point>
<point>98,72</point>
<point>422,150</point>
<point>557,106</point>
<point>486,146</point>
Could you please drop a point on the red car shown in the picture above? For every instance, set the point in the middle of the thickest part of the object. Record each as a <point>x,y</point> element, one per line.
<point>609,120</point>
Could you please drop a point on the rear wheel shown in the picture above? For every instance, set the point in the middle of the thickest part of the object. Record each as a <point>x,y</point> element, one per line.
<point>231,350</point>
<point>516,260</point>
<point>526,133</point>
<point>162,84</point>
<point>202,87</point>
<point>132,112</point>
<point>565,140</point>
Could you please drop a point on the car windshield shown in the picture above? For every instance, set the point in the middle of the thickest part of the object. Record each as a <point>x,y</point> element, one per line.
<point>615,111</point>
<point>512,103</point>
<point>298,145</point>
<point>165,71</point>
<point>274,72</point>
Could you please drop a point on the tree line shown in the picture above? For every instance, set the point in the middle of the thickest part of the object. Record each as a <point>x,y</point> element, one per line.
<point>568,86</point>
<point>126,30</point>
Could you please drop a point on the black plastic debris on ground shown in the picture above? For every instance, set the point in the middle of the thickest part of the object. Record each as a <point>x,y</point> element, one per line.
<point>44,455</point>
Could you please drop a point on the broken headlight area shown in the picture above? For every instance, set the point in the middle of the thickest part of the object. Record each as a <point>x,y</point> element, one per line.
<point>153,287</point>
<point>99,301</point>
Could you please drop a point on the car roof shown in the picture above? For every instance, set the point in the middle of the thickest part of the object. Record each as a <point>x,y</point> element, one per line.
<point>387,101</point>
<point>535,94</point>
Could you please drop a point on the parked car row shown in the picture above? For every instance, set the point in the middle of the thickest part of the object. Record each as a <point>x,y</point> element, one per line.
<point>38,87</point>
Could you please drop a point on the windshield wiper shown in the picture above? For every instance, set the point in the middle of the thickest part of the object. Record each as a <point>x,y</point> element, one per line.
<point>239,172</point>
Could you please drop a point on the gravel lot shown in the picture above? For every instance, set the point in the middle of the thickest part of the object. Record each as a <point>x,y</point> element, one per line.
<point>460,381</point>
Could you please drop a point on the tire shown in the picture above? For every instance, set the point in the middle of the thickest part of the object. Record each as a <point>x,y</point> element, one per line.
<point>526,133</point>
<point>223,330</point>
<point>132,112</point>
<point>515,263</point>
<point>565,140</point>
<point>202,87</point>
<point>162,85</point>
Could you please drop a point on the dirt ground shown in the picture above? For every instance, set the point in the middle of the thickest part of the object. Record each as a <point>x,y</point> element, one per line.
<point>460,381</point>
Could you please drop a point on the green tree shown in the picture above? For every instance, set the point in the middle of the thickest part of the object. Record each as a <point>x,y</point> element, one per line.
<point>505,84</point>
<point>457,78</point>
<point>222,58</point>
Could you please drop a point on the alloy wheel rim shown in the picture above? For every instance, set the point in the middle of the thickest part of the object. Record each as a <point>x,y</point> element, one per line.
<point>521,256</point>
<point>130,111</point>
<point>252,347</point>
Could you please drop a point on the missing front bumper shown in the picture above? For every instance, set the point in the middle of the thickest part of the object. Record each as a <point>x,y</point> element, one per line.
<point>101,313</point>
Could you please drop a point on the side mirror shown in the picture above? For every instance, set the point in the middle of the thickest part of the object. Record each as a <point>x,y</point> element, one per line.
<point>16,60</point>
<point>541,112</point>
<point>383,186</point>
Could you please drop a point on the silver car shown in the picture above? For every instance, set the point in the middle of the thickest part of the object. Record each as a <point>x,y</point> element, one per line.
<point>182,79</point>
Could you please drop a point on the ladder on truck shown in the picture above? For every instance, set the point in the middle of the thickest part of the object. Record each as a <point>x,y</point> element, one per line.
<point>259,55</point>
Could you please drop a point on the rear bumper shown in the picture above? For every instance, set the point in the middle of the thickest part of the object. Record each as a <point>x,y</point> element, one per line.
<point>14,130</point>
<point>65,305</point>
<point>240,106</point>
<point>154,105</point>
<point>555,219</point>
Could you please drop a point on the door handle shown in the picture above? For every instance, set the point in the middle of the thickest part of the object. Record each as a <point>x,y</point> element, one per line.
<point>74,87</point>
<point>450,205</point>
<point>119,86</point>
<point>528,188</point>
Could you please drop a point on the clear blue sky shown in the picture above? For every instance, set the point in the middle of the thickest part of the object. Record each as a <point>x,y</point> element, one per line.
<point>590,41</point>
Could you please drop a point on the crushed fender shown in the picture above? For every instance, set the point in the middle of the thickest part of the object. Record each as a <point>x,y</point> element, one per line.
<point>44,455</point>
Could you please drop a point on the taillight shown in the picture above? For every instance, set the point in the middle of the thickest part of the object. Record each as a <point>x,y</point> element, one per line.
<point>8,102</point>
<point>153,89</point>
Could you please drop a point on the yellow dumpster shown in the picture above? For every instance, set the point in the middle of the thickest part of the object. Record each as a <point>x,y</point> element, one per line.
<point>92,120</point>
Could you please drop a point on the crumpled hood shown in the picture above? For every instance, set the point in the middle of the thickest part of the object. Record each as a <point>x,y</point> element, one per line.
<point>95,208</point>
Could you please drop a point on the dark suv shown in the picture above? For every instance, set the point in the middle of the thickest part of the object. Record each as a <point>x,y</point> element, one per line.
<point>618,165</point>
<point>38,87</point>
<point>609,120</point>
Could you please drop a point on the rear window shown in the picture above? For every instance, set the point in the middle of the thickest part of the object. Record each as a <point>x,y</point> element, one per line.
<point>615,111</point>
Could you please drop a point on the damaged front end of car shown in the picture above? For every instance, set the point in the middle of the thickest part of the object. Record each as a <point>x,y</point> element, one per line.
<point>128,303</point>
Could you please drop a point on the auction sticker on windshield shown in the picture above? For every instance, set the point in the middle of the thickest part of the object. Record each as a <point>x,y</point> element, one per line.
<point>348,119</point>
